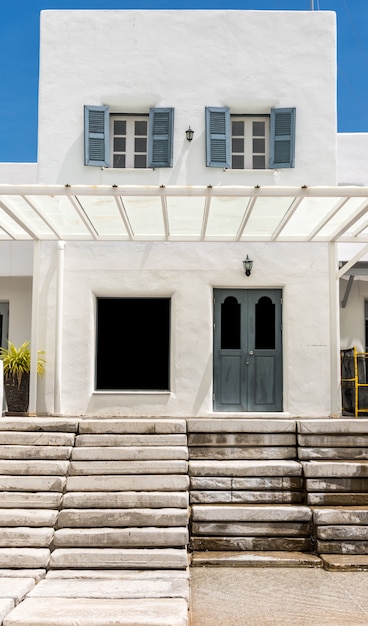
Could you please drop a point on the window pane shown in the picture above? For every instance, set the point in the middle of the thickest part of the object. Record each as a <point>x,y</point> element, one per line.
<point>133,338</point>
<point>265,324</point>
<point>230,324</point>
<point>119,127</point>
<point>237,128</point>
<point>238,162</point>
<point>119,160</point>
<point>140,160</point>
<point>238,145</point>
<point>259,162</point>
<point>141,127</point>
<point>258,129</point>
<point>140,145</point>
<point>119,144</point>
<point>259,145</point>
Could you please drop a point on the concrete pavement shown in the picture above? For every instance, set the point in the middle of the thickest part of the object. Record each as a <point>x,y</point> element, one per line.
<point>278,597</point>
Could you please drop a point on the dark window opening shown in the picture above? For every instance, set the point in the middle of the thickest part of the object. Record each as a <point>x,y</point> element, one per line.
<point>265,324</point>
<point>230,324</point>
<point>133,344</point>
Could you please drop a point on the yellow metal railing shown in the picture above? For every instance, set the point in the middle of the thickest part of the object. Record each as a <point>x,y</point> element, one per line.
<point>354,381</point>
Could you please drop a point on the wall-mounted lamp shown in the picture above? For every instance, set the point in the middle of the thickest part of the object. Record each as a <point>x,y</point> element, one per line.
<point>189,133</point>
<point>248,264</point>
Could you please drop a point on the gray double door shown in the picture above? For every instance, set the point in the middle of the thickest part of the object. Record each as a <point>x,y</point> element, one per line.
<point>247,350</point>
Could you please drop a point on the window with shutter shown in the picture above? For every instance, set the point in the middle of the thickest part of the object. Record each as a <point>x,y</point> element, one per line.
<point>160,140</point>
<point>218,153</point>
<point>282,133</point>
<point>96,135</point>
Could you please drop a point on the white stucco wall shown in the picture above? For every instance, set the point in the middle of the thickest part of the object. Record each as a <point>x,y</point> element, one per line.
<point>18,173</point>
<point>17,291</point>
<point>187,273</point>
<point>132,60</point>
<point>352,152</point>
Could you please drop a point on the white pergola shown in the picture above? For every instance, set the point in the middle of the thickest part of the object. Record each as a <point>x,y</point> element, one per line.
<point>175,213</point>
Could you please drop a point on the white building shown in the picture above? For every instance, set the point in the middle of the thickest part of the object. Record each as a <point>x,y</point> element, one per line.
<point>127,240</point>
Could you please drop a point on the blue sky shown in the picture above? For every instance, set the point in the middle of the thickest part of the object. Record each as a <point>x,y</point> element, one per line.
<point>19,47</point>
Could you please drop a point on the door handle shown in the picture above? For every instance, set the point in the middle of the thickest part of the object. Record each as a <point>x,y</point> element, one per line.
<point>250,352</point>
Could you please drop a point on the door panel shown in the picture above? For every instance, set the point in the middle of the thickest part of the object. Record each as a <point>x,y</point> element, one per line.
<point>247,350</point>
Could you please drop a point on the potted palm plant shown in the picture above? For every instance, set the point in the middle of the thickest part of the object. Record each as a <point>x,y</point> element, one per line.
<point>17,367</point>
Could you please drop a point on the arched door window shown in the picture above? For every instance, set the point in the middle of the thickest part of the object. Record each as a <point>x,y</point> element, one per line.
<point>265,336</point>
<point>230,324</point>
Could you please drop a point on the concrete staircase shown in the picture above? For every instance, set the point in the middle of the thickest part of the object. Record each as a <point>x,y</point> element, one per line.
<point>247,494</point>
<point>334,456</point>
<point>101,510</point>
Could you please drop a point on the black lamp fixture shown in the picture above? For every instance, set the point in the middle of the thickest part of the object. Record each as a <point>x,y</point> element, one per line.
<point>189,133</point>
<point>248,264</point>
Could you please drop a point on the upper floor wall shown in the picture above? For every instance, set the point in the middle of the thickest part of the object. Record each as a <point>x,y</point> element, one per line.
<point>248,64</point>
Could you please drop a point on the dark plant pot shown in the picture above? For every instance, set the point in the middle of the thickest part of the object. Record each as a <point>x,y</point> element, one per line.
<point>17,397</point>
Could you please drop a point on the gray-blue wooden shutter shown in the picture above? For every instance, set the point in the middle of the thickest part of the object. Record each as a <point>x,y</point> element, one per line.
<point>96,135</point>
<point>218,137</point>
<point>282,138</point>
<point>160,137</point>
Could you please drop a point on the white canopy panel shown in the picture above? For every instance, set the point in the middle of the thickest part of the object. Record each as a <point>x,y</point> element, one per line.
<point>139,213</point>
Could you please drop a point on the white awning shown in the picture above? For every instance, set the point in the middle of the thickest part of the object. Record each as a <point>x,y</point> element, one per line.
<point>140,213</point>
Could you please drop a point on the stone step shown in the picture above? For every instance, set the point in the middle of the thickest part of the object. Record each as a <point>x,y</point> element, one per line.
<point>115,440</point>
<point>87,518</point>
<point>22,558</point>
<point>241,439</point>
<point>133,426</point>
<point>25,517</point>
<point>31,500</point>
<point>262,513</point>
<point>241,426</point>
<point>87,468</point>
<point>288,544</point>
<point>252,529</point>
<point>25,537</point>
<point>337,499</point>
<point>345,562</point>
<point>354,454</point>
<point>23,438</point>
<point>121,537</point>
<point>36,452</point>
<point>332,426</point>
<point>328,441</point>
<point>132,453</point>
<point>32,483</point>
<point>35,574</point>
<point>43,424</point>
<point>342,533</point>
<point>119,574</point>
<point>246,497</point>
<point>245,468</point>
<point>335,469</point>
<point>342,547</point>
<point>346,515</point>
<point>337,484</point>
<point>16,589</point>
<point>274,483</point>
<point>88,611</point>
<point>126,500</point>
<point>254,559</point>
<point>120,558</point>
<point>34,468</point>
<point>135,587</point>
<point>256,453</point>
<point>116,574</point>
<point>131,482</point>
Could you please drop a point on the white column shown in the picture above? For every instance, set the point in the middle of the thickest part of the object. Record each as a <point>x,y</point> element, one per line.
<point>335,377</point>
<point>59,327</point>
<point>34,328</point>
